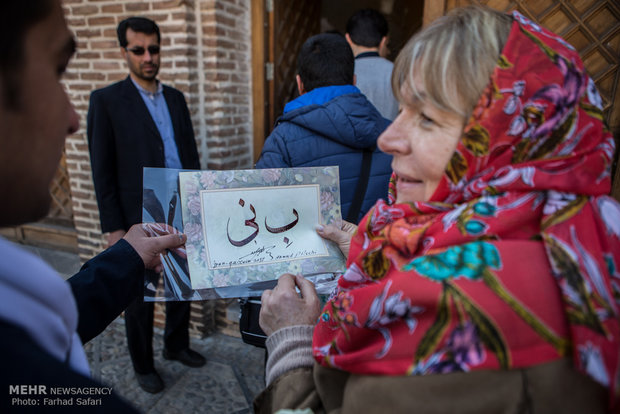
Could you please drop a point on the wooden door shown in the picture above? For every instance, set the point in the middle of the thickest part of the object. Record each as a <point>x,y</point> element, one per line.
<point>591,26</point>
<point>61,211</point>
<point>57,229</point>
<point>279,28</point>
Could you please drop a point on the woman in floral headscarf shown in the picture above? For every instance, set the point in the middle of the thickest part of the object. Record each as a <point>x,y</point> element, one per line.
<point>489,282</point>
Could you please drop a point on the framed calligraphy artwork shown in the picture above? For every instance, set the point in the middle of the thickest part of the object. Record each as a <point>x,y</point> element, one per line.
<point>248,226</point>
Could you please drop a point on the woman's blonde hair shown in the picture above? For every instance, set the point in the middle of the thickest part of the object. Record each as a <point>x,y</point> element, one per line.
<point>452,59</point>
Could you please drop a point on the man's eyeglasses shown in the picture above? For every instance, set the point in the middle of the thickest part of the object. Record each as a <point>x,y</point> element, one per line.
<point>139,50</point>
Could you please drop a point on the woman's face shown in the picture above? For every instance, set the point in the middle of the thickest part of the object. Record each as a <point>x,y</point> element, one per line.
<point>422,140</point>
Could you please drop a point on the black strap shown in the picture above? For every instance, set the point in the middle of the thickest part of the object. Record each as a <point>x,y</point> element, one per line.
<point>360,188</point>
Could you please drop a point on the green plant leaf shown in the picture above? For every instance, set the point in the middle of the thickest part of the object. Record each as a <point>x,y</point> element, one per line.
<point>433,335</point>
<point>560,344</point>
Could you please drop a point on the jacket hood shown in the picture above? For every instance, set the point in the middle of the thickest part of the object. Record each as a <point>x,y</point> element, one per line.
<point>341,113</point>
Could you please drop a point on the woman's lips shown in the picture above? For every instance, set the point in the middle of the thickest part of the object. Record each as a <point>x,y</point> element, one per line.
<point>411,181</point>
<point>409,189</point>
<point>407,180</point>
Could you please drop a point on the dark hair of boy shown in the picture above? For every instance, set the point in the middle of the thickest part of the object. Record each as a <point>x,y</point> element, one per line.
<point>325,60</point>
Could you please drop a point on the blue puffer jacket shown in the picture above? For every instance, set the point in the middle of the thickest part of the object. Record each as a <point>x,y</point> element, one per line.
<point>332,125</point>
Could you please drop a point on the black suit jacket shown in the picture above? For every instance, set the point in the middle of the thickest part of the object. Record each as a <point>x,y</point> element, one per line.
<point>122,139</point>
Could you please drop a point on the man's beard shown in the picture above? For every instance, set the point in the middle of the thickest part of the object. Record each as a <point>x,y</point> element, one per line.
<point>148,77</point>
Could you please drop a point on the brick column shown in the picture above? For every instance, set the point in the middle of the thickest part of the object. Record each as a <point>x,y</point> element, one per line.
<point>205,54</point>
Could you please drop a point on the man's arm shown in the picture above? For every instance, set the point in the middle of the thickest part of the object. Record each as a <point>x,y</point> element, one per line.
<point>102,148</point>
<point>110,281</point>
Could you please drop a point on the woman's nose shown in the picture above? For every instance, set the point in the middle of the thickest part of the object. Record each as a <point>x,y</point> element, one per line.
<point>391,140</point>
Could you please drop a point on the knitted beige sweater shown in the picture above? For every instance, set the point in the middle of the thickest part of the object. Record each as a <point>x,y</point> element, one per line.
<point>288,348</point>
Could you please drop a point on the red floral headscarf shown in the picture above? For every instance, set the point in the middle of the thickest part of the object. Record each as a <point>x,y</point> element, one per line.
<point>514,261</point>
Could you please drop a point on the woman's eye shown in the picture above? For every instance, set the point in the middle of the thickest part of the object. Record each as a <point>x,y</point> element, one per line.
<point>426,120</point>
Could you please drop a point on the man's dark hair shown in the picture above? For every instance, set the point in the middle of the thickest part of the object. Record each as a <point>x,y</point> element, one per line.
<point>367,27</point>
<point>139,25</point>
<point>16,18</point>
<point>325,60</point>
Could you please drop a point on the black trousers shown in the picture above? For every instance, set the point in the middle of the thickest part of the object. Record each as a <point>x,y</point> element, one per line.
<point>139,328</point>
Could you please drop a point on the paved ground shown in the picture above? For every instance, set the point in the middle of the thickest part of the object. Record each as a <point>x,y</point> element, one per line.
<point>67,264</point>
<point>233,375</point>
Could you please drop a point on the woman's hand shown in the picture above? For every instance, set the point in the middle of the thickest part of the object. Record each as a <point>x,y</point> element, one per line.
<point>340,233</point>
<point>284,306</point>
<point>151,239</point>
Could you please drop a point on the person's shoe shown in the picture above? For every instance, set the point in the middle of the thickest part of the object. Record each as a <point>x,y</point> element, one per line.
<point>150,382</point>
<point>186,357</point>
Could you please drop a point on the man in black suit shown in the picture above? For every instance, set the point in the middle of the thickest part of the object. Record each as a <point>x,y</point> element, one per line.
<point>136,123</point>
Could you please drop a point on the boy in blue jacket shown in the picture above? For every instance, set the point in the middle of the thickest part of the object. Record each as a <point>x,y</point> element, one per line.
<point>331,123</point>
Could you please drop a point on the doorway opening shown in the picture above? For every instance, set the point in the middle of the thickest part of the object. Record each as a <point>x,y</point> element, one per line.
<point>280,27</point>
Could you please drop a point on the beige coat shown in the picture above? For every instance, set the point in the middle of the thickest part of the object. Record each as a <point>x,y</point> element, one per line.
<point>549,388</point>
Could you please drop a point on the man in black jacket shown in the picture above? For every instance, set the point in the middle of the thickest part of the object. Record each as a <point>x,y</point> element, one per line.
<point>136,123</point>
<point>43,319</point>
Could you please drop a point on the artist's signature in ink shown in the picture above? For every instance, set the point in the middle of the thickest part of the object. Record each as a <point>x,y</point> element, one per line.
<point>264,254</point>
<point>260,252</point>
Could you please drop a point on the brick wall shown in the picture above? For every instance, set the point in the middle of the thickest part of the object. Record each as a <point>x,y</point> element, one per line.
<point>205,54</point>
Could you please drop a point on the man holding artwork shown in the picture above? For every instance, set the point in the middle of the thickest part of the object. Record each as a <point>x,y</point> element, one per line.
<point>44,320</point>
<point>136,123</point>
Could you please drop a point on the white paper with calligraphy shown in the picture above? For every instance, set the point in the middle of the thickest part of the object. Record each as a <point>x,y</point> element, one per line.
<point>247,226</point>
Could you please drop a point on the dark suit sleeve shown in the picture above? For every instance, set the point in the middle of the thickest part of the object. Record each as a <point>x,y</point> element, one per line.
<point>184,135</point>
<point>102,148</point>
<point>105,286</point>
